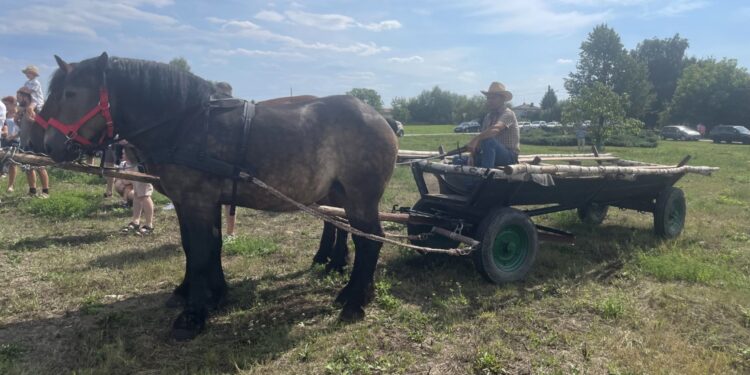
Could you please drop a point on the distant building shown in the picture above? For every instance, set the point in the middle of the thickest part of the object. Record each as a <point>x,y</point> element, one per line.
<point>526,110</point>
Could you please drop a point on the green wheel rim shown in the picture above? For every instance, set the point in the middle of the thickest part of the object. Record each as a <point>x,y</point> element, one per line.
<point>510,248</point>
<point>676,217</point>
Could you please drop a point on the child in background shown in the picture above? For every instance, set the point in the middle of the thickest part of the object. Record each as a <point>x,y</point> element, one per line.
<point>33,88</point>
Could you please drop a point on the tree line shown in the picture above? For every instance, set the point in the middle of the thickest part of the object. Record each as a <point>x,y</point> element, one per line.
<point>652,85</point>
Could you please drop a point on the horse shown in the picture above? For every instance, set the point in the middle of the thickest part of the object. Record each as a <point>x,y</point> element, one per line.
<point>332,149</point>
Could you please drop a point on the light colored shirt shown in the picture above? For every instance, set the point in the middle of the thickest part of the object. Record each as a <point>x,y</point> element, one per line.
<point>12,128</point>
<point>510,135</point>
<point>3,112</point>
<point>37,95</point>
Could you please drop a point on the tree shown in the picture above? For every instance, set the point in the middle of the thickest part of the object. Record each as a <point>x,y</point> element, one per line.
<point>400,109</point>
<point>665,60</point>
<point>603,107</point>
<point>603,59</point>
<point>549,100</point>
<point>711,92</point>
<point>434,106</point>
<point>467,109</point>
<point>368,96</point>
<point>181,63</point>
<point>633,85</point>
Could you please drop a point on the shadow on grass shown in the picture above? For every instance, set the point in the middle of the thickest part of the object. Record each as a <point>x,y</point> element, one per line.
<point>433,280</point>
<point>136,255</point>
<point>39,243</point>
<point>132,335</point>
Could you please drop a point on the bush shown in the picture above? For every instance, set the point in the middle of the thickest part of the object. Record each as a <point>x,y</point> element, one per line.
<point>65,205</point>
<point>557,137</point>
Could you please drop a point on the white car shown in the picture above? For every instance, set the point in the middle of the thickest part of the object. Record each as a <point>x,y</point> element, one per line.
<point>524,124</point>
<point>553,124</point>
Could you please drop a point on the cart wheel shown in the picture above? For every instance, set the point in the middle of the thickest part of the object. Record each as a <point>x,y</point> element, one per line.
<point>669,215</point>
<point>509,246</point>
<point>434,241</point>
<point>593,213</point>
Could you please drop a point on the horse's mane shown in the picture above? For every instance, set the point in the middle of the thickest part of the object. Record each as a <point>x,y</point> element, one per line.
<point>157,80</point>
<point>166,87</point>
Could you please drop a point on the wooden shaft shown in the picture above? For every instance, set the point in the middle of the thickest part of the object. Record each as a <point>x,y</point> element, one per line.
<point>384,216</point>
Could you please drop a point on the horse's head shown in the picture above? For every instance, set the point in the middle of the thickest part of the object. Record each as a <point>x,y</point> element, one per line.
<point>78,109</point>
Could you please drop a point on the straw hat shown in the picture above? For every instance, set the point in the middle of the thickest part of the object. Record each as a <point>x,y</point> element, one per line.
<point>497,88</point>
<point>31,69</point>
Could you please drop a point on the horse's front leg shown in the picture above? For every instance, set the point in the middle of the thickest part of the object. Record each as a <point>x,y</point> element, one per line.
<point>200,227</point>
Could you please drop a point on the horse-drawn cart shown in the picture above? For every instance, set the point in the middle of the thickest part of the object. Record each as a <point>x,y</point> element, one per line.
<point>495,206</point>
<point>490,210</point>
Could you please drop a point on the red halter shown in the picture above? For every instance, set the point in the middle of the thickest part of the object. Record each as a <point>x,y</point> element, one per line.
<point>71,131</point>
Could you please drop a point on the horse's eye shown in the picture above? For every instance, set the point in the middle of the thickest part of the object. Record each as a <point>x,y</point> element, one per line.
<point>70,94</point>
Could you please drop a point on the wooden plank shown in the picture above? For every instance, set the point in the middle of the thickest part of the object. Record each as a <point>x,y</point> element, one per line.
<point>42,160</point>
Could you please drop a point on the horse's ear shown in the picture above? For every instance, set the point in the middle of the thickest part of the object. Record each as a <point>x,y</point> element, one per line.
<point>102,61</point>
<point>63,65</point>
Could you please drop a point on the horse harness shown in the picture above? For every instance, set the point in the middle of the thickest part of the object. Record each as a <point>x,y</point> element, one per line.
<point>201,160</point>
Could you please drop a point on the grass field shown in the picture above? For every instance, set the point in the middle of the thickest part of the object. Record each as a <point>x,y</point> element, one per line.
<point>78,297</point>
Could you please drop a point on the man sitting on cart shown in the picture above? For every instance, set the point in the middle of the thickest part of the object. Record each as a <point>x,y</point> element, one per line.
<point>498,140</point>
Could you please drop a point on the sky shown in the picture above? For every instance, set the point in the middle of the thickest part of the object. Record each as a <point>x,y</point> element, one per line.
<point>269,49</point>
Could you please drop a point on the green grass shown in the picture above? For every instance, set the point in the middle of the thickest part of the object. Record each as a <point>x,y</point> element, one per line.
<point>78,297</point>
<point>64,205</point>
<point>249,246</point>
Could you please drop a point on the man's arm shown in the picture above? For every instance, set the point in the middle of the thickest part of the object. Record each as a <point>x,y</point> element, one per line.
<point>487,133</point>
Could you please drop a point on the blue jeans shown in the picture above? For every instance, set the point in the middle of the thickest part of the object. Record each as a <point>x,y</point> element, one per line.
<point>494,153</point>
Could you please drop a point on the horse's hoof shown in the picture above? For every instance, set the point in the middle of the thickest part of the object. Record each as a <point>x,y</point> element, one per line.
<point>350,314</point>
<point>174,301</point>
<point>188,325</point>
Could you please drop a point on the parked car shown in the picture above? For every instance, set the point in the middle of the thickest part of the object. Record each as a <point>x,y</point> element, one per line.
<point>553,124</point>
<point>536,124</point>
<point>679,133</point>
<point>524,124</point>
<point>467,127</point>
<point>730,133</point>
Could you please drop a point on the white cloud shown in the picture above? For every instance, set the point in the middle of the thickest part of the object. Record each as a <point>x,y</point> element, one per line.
<point>380,26</point>
<point>333,22</point>
<point>250,30</point>
<point>269,15</point>
<point>410,59</point>
<point>678,7</point>
<point>530,17</point>
<point>564,61</point>
<point>254,53</point>
<point>83,17</point>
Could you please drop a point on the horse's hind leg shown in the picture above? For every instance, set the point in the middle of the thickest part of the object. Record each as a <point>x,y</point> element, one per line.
<point>333,250</point>
<point>327,241</point>
<point>360,291</point>
<point>340,252</point>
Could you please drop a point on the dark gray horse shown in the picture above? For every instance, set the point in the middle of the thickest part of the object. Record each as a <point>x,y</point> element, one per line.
<point>334,149</point>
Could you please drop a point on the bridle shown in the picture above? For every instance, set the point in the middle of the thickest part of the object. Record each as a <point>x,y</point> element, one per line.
<point>70,131</point>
